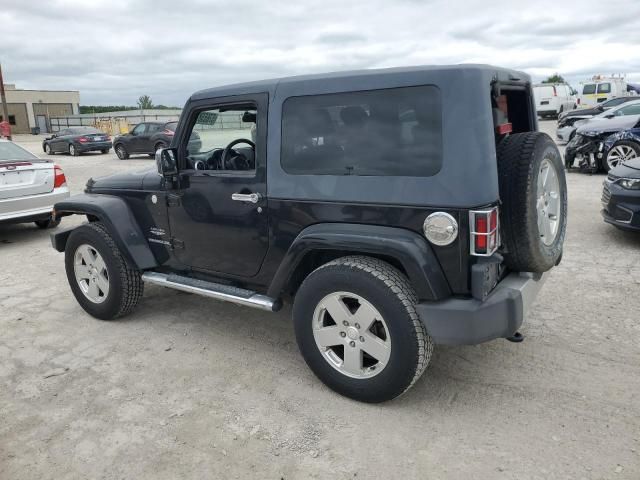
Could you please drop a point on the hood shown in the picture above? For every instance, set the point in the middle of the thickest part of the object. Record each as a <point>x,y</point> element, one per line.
<point>598,125</point>
<point>120,181</point>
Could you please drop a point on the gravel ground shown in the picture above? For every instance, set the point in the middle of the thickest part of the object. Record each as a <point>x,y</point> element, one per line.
<point>190,388</point>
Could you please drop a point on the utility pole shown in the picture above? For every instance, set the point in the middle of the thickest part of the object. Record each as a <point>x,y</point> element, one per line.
<point>5,110</point>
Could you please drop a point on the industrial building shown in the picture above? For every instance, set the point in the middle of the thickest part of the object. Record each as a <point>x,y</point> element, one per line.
<point>29,109</point>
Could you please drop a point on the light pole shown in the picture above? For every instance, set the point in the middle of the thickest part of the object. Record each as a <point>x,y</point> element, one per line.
<point>5,110</point>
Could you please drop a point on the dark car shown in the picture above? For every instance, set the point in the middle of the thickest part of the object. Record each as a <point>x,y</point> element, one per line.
<point>396,209</point>
<point>621,196</point>
<point>77,140</point>
<point>147,138</point>
<point>588,145</point>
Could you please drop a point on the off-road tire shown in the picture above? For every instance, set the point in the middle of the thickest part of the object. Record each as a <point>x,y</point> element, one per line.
<point>519,158</point>
<point>121,152</point>
<point>125,283</point>
<point>47,223</point>
<point>389,291</point>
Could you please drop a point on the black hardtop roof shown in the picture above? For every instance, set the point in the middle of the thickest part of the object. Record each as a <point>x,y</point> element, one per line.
<point>393,74</point>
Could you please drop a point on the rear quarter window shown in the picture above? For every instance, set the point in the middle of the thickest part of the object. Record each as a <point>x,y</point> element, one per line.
<point>390,132</point>
<point>589,89</point>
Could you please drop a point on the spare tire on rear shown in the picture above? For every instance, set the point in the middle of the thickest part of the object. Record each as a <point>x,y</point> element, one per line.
<point>533,190</point>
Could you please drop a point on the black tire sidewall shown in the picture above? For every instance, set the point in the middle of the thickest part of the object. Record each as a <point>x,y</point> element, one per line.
<point>120,148</point>
<point>398,373</point>
<point>110,308</point>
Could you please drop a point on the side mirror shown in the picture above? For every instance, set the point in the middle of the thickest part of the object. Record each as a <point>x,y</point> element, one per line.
<point>167,162</point>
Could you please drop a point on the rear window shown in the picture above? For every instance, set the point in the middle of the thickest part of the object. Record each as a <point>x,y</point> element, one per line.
<point>589,88</point>
<point>11,151</point>
<point>391,132</point>
<point>83,130</point>
<point>604,88</point>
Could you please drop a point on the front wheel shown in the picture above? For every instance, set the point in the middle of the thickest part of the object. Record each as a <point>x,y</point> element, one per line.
<point>47,149</point>
<point>121,152</point>
<point>358,330</point>
<point>104,283</point>
<point>620,152</point>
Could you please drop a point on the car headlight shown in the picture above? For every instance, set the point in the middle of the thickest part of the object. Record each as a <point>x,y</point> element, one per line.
<point>630,183</point>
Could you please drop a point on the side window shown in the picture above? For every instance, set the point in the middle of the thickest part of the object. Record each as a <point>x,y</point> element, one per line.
<point>216,129</point>
<point>589,89</point>
<point>153,128</point>
<point>390,132</point>
<point>604,88</point>
<point>139,129</point>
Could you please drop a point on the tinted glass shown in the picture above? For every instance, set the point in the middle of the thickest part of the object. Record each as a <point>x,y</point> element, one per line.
<point>171,126</point>
<point>589,88</point>
<point>153,127</point>
<point>604,88</point>
<point>139,130</point>
<point>629,110</point>
<point>392,132</point>
<point>613,102</point>
<point>11,151</point>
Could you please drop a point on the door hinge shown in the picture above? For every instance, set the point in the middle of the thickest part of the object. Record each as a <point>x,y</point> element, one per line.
<point>177,244</point>
<point>173,200</point>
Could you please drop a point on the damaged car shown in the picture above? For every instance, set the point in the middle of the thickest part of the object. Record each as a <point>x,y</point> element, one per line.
<point>568,122</point>
<point>590,146</point>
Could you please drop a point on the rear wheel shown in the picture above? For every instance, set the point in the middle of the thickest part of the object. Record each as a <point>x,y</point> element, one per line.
<point>104,283</point>
<point>48,223</point>
<point>121,152</point>
<point>358,330</point>
<point>533,190</point>
<point>73,150</point>
<point>620,152</point>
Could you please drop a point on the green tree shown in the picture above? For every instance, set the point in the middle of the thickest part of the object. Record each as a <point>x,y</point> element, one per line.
<point>144,102</point>
<point>555,78</point>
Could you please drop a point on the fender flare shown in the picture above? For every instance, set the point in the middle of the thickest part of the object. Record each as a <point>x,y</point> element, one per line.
<point>116,216</point>
<point>408,248</point>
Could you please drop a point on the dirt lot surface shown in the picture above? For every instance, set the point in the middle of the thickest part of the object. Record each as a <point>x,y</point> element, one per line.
<point>187,387</point>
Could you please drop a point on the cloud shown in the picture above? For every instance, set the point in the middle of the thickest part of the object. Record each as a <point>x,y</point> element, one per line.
<point>115,50</point>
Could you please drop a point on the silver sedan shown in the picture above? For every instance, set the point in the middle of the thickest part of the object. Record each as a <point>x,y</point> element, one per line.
<point>29,187</point>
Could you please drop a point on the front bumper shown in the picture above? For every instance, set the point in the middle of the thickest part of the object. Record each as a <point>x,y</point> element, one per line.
<point>92,146</point>
<point>31,207</point>
<point>621,207</point>
<point>469,321</point>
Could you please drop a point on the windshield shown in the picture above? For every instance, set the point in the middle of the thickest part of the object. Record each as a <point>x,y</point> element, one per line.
<point>11,151</point>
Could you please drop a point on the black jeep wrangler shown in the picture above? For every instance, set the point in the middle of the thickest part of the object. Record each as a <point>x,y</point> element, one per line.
<point>396,209</point>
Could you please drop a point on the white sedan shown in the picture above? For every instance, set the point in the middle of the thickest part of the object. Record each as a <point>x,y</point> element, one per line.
<point>29,187</point>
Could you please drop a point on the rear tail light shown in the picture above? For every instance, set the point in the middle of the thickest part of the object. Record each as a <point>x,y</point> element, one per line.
<point>59,179</point>
<point>83,139</point>
<point>555,93</point>
<point>485,232</point>
<point>578,101</point>
<point>107,137</point>
<point>168,132</point>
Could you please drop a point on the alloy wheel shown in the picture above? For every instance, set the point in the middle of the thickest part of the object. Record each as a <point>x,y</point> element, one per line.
<point>351,335</point>
<point>548,202</point>
<point>620,153</point>
<point>91,273</point>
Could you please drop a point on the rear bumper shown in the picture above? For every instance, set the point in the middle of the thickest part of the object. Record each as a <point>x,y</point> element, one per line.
<point>92,147</point>
<point>547,111</point>
<point>31,207</point>
<point>468,321</point>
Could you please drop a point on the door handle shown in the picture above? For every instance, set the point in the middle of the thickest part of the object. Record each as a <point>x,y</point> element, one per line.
<point>246,197</point>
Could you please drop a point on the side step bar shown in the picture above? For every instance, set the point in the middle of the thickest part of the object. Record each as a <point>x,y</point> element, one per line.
<point>218,291</point>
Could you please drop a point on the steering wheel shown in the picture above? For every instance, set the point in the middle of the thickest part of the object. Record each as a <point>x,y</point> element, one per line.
<point>226,163</point>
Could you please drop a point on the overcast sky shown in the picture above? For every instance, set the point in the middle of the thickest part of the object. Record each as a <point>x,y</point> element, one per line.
<point>113,51</point>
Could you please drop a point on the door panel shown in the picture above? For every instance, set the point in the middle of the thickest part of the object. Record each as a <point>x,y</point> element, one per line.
<point>215,233</point>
